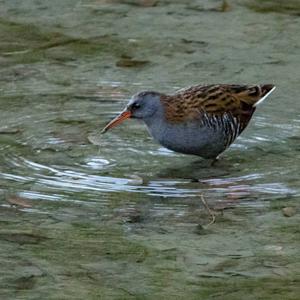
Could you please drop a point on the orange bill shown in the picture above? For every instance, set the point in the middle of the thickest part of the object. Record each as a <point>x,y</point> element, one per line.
<point>119,119</point>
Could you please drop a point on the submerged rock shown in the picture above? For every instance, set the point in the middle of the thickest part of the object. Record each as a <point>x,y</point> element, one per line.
<point>289,211</point>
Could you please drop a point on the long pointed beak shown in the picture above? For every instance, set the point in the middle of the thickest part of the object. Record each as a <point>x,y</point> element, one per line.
<point>117,120</point>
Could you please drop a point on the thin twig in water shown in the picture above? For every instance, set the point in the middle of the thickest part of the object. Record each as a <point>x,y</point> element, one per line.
<point>213,217</point>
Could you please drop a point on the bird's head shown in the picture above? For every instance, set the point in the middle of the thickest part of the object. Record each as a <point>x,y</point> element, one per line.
<point>141,106</point>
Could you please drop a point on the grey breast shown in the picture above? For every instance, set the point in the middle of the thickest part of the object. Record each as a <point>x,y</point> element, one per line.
<point>206,139</point>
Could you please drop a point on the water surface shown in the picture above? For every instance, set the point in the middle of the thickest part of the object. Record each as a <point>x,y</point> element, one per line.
<point>85,216</point>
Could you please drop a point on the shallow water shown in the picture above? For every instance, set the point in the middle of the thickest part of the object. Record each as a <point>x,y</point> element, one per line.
<point>85,216</point>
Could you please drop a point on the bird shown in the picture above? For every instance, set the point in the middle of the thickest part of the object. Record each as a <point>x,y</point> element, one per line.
<point>202,120</point>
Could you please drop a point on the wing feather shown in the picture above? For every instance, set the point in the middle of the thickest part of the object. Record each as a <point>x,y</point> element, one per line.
<point>215,101</point>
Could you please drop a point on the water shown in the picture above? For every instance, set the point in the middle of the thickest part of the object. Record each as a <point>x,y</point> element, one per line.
<point>85,216</point>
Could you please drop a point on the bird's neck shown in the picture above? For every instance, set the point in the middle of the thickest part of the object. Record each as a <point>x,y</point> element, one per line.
<point>157,125</point>
<point>157,119</point>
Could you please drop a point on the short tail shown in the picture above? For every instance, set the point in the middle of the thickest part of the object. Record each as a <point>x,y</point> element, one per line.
<point>266,90</point>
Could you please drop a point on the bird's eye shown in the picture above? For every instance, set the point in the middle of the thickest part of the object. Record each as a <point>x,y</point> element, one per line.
<point>135,106</point>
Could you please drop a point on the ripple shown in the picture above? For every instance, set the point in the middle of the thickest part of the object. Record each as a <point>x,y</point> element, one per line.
<point>58,181</point>
<point>97,163</point>
<point>49,159</point>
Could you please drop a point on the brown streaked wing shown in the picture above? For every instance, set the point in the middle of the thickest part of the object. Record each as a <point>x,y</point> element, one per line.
<point>214,100</point>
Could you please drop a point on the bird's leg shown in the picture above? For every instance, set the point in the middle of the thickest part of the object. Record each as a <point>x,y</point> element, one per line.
<point>215,160</point>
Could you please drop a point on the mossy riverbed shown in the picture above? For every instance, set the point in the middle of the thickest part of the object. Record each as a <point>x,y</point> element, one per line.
<point>118,217</point>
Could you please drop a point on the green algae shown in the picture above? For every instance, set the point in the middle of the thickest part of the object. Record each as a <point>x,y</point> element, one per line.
<point>291,7</point>
<point>36,45</point>
<point>94,233</point>
<point>240,288</point>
